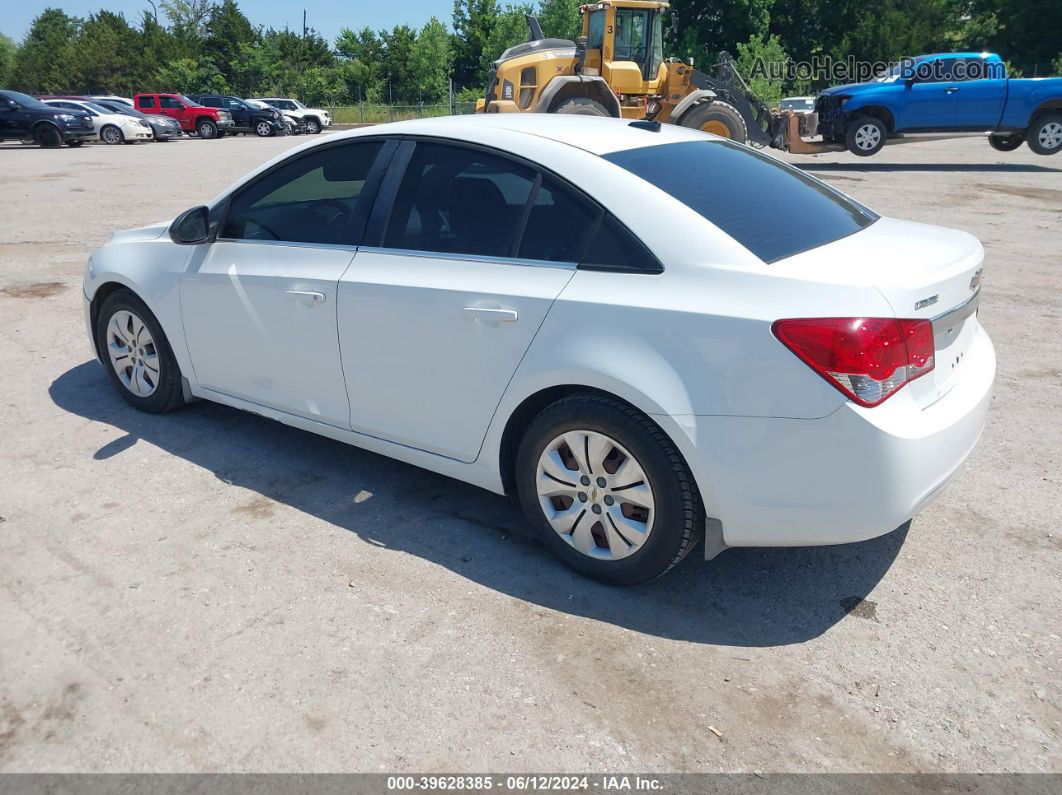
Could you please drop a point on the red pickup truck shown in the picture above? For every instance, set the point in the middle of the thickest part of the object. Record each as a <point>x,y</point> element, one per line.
<point>194,118</point>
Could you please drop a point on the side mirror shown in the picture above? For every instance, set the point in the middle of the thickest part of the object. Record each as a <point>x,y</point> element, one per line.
<point>191,227</point>
<point>580,53</point>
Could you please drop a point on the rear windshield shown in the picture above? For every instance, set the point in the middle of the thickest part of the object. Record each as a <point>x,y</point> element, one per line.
<point>771,208</point>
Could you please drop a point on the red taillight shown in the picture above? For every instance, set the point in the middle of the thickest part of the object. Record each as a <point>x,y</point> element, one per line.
<point>867,358</point>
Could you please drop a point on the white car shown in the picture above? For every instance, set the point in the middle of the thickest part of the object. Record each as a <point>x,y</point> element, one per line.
<point>313,119</point>
<point>644,333</point>
<point>111,127</point>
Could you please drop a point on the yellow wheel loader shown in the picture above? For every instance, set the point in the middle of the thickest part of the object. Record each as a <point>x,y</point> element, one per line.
<point>617,68</point>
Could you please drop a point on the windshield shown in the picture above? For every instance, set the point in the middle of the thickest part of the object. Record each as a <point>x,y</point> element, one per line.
<point>771,208</point>
<point>298,104</point>
<point>25,100</point>
<point>187,101</point>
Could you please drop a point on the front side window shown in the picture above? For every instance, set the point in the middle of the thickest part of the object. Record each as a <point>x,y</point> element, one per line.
<point>169,102</point>
<point>145,102</point>
<point>771,208</point>
<point>454,200</point>
<point>310,199</point>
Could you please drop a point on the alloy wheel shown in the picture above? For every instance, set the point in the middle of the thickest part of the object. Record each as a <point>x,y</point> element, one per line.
<point>133,354</point>
<point>867,136</point>
<point>595,494</point>
<point>1050,136</point>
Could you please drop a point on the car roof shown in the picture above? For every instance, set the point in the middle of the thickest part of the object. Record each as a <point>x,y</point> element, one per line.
<point>593,134</point>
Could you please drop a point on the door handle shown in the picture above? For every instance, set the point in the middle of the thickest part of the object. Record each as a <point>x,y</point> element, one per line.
<point>951,89</point>
<point>489,313</point>
<point>308,295</point>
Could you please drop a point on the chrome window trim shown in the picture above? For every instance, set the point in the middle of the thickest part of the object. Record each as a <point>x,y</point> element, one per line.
<point>406,252</point>
<point>289,243</point>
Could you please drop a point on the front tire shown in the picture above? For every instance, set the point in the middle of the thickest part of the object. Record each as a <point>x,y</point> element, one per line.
<point>1045,134</point>
<point>48,137</point>
<point>74,144</point>
<point>717,118</point>
<point>111,135</point>
<point>136,354</point>
<point>313,126</point>
<point>207,129</point>
<point>1005,143</point>
<point>582,106</point>
<point>263,129</point>
<point>607,490</point>
<point>865,136</point>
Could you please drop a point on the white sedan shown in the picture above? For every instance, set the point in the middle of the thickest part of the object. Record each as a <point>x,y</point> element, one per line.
<point>111,127</point>
<point>645,334</point>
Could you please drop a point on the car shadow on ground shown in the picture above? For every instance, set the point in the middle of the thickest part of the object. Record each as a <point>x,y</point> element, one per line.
<point>1005,168</point>
<point>745,597</point>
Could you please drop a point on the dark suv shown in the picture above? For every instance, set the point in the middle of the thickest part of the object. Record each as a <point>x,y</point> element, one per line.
<point>26,119</point>
<point>262,122</point>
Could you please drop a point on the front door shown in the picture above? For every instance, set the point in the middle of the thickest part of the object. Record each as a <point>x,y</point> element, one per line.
<point>930,99</point>
<point>260,303</point>
<point>434,320</point>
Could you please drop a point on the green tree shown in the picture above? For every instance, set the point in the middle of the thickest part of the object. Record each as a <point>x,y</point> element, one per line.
<point>510,28</point>
<point>473,22</point>
<point>227,31</point>
<point>712,26</point>
<point>560,19</point>
<point>188,17</point>
<point>44,63</point>
<point>754,58</point>
<point>103,62</point>
<point>8,48</point>
<point>400,65</point>
<point>364,68</point>
<point>432,62</point>
<point>191,75</point>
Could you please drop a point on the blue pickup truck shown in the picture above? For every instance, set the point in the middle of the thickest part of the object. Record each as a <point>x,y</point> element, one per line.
<point>942,93</point>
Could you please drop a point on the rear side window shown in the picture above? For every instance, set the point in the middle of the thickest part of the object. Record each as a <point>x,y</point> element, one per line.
<point>558,225</point>
<point>771,208</point>
<point>459,201</point>
<point>310,199</point>
<point>145,102</point>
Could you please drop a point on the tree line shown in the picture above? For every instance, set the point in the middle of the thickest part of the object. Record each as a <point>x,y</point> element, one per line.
<point>202,45</point>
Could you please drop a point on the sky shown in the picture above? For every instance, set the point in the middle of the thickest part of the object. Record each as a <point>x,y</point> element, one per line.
<point>327,16</point>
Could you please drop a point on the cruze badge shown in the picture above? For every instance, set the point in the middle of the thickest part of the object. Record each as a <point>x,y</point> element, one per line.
<point>926,302</point>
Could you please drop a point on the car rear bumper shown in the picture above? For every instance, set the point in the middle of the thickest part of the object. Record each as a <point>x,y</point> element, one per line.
<point>850,476</point>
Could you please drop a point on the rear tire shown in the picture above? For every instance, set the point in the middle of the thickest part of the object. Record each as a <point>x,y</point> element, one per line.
<point>717,118</point>
<point>1044,135</point>
<point>47,137</point>
<point>1005,143</point>
<point>207,129</point>
<point>582,106</point>
<point>865,136</point>
<point>672,524</point>
<point>128,313</point>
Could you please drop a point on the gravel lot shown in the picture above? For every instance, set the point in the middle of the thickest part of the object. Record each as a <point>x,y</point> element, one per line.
<point>209,590</point>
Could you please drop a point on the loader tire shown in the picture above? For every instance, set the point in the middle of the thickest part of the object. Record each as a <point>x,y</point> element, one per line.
<point>717,118</point>
<point>582,106</point>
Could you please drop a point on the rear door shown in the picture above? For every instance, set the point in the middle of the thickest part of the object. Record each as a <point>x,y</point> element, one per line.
<point>982,92</point>
<point>469,249</point>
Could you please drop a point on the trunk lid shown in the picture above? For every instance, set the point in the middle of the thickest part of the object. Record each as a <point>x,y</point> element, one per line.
<point>922,271</point>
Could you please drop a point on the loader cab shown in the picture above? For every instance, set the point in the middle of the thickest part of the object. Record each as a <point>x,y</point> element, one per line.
<point>625,43</point>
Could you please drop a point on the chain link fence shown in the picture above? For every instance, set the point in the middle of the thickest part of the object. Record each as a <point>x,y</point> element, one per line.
<point>371,113</point>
